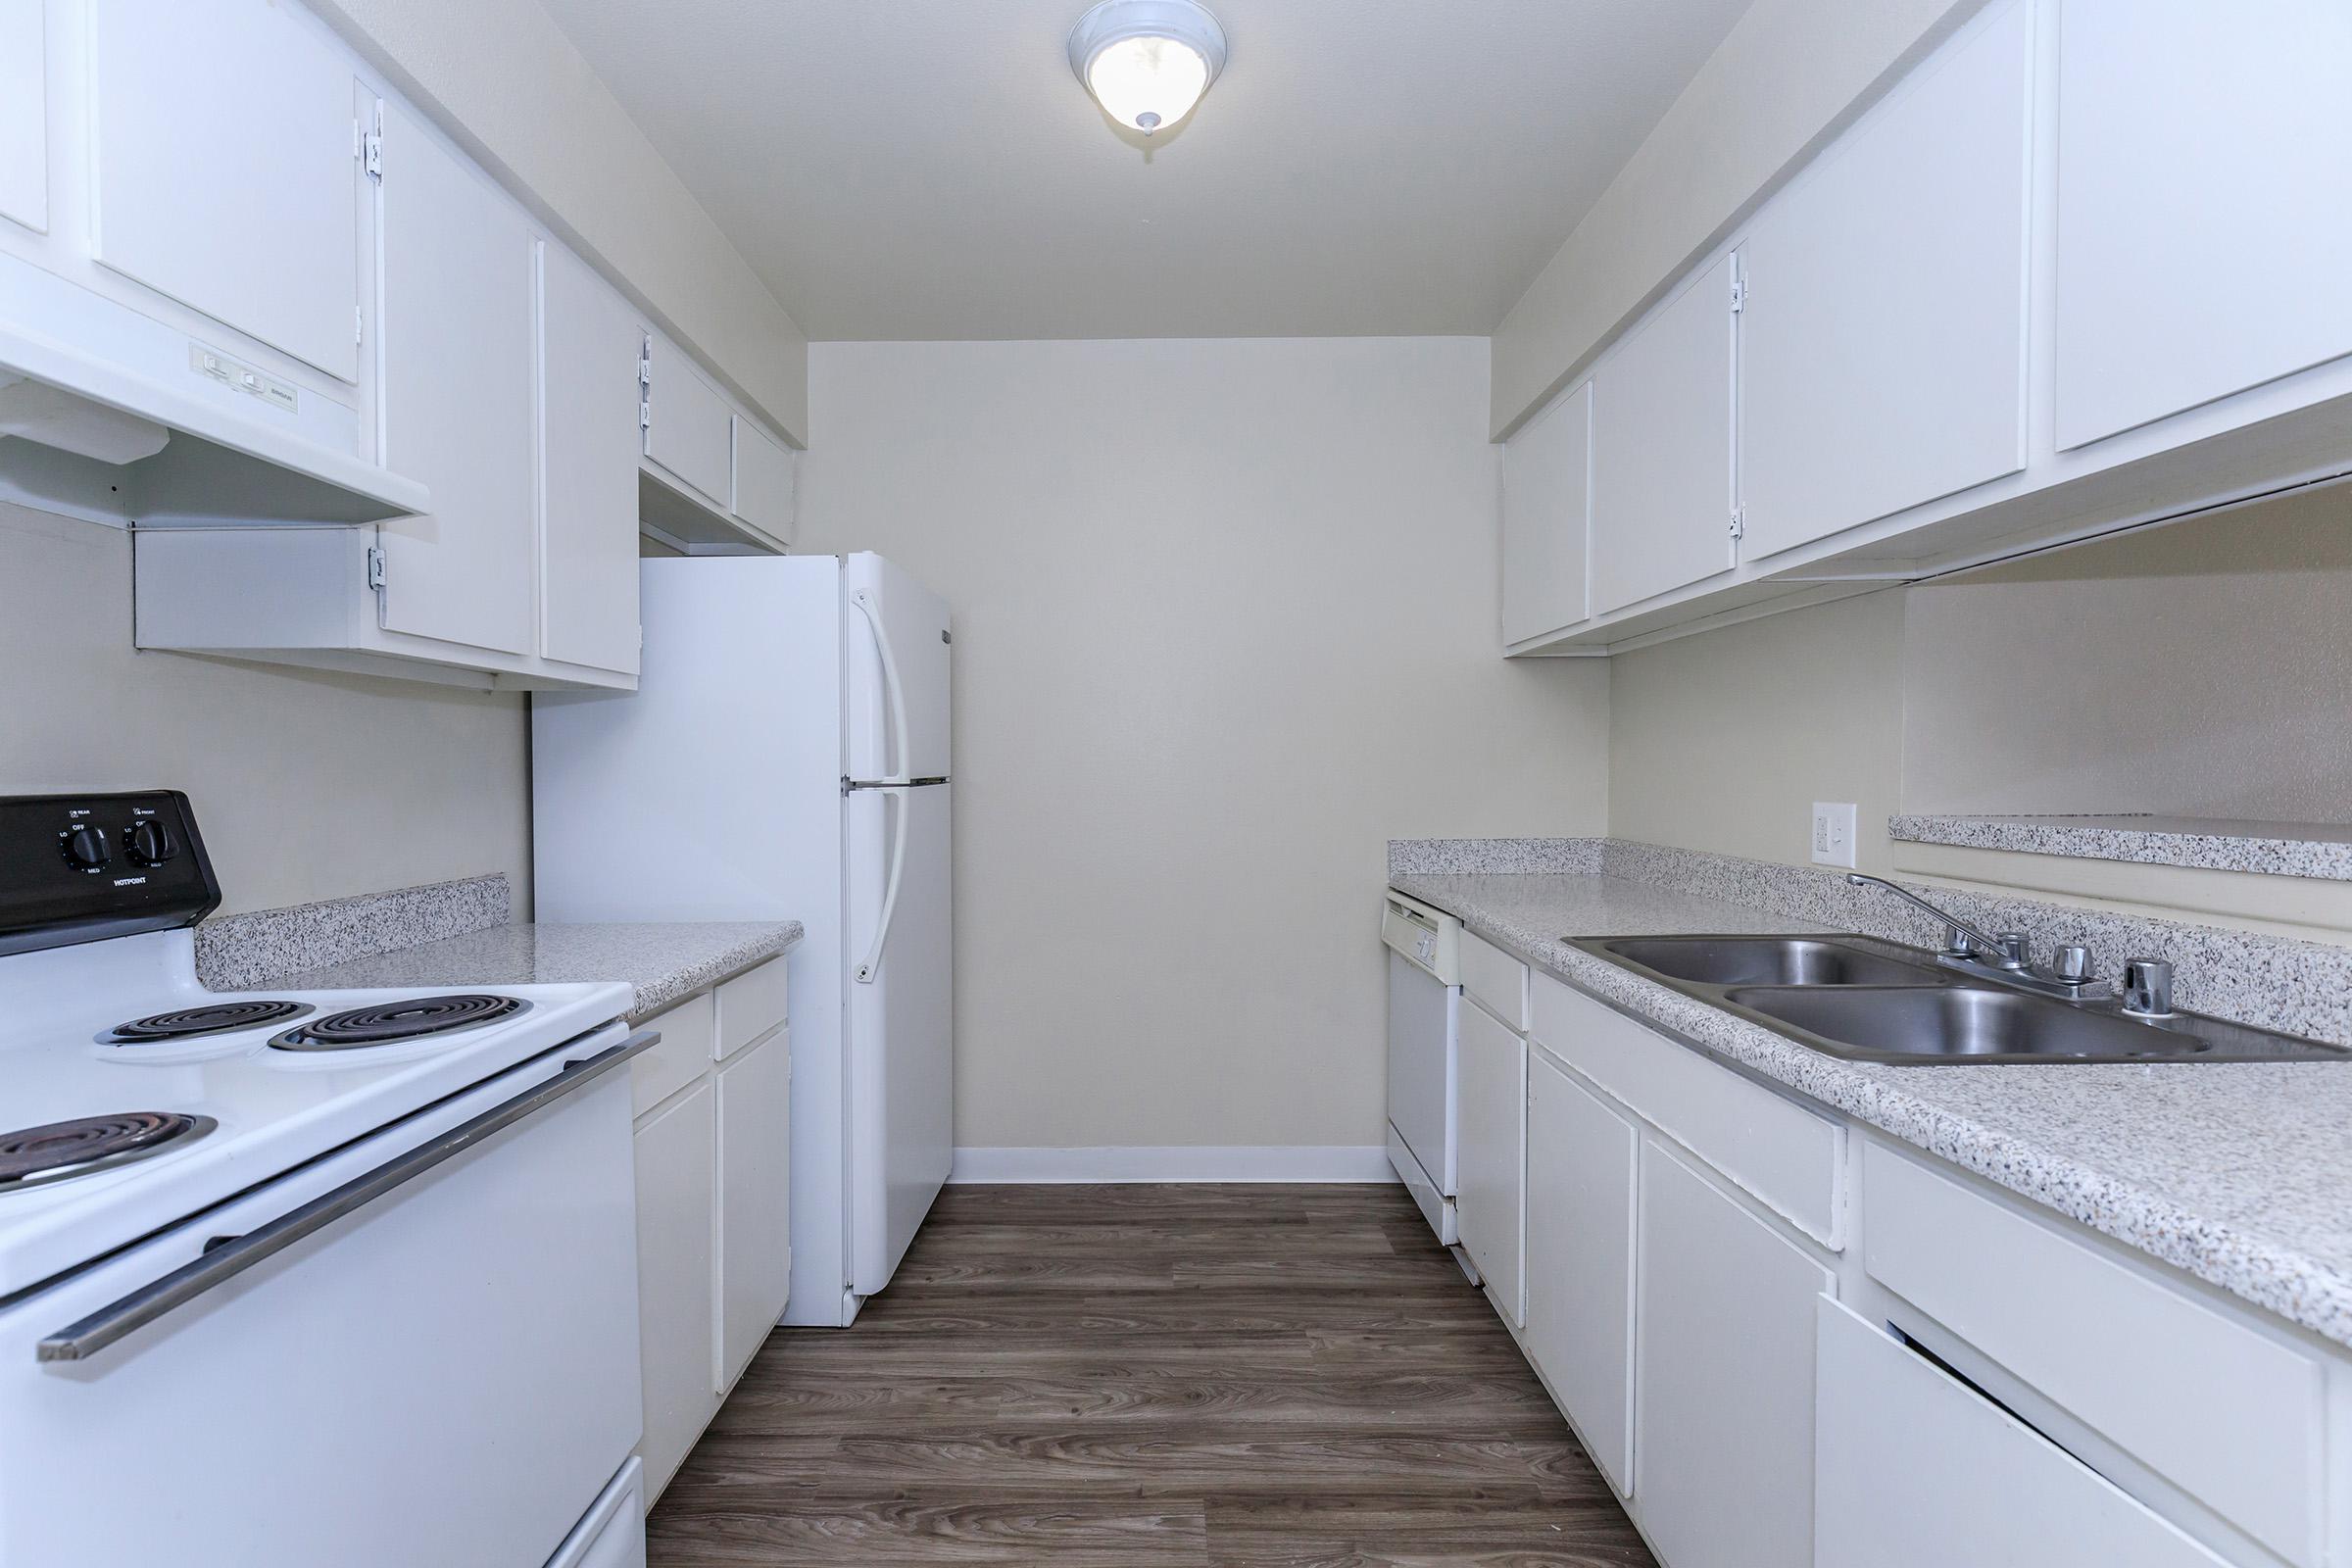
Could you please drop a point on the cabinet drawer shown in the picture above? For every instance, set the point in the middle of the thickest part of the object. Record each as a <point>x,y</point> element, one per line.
<point>688,1031</point>
<point>1788,1157</point>
<point>1906,1458</point>
<point>1495,980</point>
<point>750,1005</point>
<point>2229,1414</point>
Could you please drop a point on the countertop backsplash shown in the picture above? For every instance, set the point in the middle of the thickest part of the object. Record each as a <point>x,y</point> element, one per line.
<point>242,952</point>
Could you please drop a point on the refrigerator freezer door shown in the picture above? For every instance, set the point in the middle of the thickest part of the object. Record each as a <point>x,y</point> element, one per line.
<point>900,1026</point>
<point>890,610</point>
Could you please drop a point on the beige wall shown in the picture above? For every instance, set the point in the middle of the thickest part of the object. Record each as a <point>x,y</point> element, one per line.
<point>503,79</point>
<point>1723,742</point>
<point>306,786</point>
<point>1784,80</point>
<point>2201,670</point>
<point>1225,622</point>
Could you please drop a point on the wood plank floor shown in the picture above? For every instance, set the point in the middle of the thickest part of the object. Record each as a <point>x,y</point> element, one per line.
<point>1114,1376</point>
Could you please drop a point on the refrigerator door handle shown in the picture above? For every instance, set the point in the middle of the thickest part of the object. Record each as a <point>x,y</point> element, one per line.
<point>891,692</point>
<point>864,973</point>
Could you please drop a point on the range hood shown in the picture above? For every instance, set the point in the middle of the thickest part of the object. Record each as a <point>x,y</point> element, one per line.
<point>103,417</point>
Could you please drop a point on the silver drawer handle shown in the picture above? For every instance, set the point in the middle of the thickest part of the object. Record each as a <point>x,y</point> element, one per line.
<point>227,1257</point>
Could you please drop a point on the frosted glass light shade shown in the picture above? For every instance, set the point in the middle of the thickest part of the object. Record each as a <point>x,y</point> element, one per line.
<point>1147,61</point>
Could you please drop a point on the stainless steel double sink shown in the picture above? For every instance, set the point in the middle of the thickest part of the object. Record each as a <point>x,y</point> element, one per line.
<point>1864,1000</point>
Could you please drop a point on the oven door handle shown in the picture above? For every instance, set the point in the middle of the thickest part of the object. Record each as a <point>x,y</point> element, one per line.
<point>227,1257</point>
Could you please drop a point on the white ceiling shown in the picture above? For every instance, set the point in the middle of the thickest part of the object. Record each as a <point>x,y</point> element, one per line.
<point>931,169</point>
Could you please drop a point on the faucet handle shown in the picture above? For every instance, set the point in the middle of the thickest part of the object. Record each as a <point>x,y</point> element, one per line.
<point>2071,962</point>
<point>2148,988</point>
<point>2014,951</point>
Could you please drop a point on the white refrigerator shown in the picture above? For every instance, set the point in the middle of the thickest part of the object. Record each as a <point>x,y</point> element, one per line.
<point>785,757</point>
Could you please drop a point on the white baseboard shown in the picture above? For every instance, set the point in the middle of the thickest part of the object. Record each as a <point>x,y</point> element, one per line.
<point>1240,1162</point>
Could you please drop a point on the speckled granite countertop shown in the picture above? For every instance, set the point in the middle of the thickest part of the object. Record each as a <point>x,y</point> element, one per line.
<point>2266,848</point>
<point>665,961</point>
<point>2238,1173</point>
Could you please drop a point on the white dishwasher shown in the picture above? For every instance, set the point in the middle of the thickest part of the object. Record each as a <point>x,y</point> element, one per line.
<point>1425,999</point>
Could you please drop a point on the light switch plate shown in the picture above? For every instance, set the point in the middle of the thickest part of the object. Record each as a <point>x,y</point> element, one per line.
<point>1833,833</point>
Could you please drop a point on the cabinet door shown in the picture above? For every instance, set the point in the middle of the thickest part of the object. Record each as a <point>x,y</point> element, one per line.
<point>588,347</point>
<point>1545,502</point>
<point>2196,256</point>
<point>689,432</point>
<point>764,495</point>
<point>677,1158</point>
<point>23,114</point>
<point>1489,1158</point>
<point>1579,1260</point>
<point>1881,350</point>
<point>1662,448</point>
<point>223,168</point>
<point>460,269</point>
<point>1907,1458</point>
<point>755,1192</point>
<point>1723,1381</point>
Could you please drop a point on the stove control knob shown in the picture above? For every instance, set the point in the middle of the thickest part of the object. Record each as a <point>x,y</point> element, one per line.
<point>150,842</point>
<point>84,847</point>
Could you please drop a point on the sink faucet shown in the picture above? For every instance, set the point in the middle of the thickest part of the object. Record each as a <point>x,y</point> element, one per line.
<point>1961,939</point>
<point>2002,957</point>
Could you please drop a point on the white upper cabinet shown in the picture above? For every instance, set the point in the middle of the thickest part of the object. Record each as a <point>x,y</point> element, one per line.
<point>460,265</point>
<point>23,114</point>
<point>1881,351</point>
<point>2201,236</point>
<point>764,493</point>
<point>588,346</point>
<point>688,430</point>
<point>1547,499</point>
<point>1662,448</point>
<point>226,171</point>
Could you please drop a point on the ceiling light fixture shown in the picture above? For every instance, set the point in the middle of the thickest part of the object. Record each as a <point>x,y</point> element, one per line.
<point>1147,61</point>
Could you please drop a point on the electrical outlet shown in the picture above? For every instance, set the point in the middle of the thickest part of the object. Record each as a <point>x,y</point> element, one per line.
<point>1833,833</point>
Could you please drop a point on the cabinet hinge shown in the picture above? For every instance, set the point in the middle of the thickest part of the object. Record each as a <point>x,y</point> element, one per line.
<point>1739,292</point>
<point>1738,523</point>
<point>645,414</point>
<point>645,366</point>
<point>359,324</point>
<point>375,565</point>
<point>371,155</point>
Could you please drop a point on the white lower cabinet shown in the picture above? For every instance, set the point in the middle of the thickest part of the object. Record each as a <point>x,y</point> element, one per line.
<point>1579,1260</point>
<point>714,1205</point>
<point>1913,1467</point>
<point>1490,1159</point>
<point>755,1207</point>
<point>678,1317</point>
<point>1669,1237</point>
<point>1722,1382</point>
